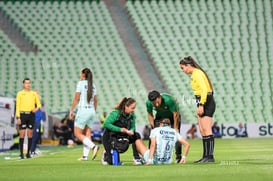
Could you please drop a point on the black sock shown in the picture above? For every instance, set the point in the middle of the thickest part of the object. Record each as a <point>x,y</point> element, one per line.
<point>203,140</point>
<point>206,146</point>
<point>21,146</point>
<point>135,153</point>
<point>211,147</point>
<point>29,143</point>
<point>178,150</point>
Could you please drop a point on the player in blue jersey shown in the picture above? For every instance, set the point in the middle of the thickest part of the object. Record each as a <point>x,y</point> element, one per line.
<point>163,141</point>
<point>86,99</point>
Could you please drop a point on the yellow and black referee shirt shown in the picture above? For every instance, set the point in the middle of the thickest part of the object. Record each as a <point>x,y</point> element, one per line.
<point>25,101</point>
<point>200,85</point>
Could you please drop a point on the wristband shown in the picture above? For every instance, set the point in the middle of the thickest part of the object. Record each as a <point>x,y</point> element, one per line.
<point>183,157</point>
<point>149,160</point>
<point>127,131</point>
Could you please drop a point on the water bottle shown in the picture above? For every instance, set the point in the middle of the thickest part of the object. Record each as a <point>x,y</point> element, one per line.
<point>115,157</point>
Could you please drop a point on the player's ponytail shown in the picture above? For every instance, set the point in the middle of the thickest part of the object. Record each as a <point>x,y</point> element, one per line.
<point>89,77</point>
<point>189,60</point>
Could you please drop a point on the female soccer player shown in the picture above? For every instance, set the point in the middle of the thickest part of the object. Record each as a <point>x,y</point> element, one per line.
<point>163,140</point>
<point>203,92</point>
<point>86,99</point>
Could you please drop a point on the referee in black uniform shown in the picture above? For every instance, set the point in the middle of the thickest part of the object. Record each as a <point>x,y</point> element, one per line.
<point>27,103</point>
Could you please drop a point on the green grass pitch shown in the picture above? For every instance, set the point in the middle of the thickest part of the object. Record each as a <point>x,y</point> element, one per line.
<point>236,159</point>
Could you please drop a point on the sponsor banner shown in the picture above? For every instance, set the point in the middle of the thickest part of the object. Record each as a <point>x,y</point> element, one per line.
<point>228,130</point>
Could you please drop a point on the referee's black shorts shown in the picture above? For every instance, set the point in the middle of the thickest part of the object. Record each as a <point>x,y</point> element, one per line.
<point>27,120</point>
<point>209,106</point>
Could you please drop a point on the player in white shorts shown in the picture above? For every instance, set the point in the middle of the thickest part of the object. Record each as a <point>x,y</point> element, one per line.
<point>163,141</point>
<point>86,99</point>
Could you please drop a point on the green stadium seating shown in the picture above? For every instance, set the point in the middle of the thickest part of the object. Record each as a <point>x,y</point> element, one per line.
<point>70,36</point>
<point>231,40</point>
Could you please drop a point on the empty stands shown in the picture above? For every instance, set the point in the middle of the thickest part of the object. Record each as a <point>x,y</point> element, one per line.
<point>231,40</point>
<point>70,36</point>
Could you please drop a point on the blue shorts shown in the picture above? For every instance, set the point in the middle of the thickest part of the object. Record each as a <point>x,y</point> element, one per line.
<point>85,117</point>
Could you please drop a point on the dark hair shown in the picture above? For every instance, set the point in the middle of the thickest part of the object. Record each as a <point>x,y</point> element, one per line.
<point>25,79</point>
<point>153,95</point>
<point>190,61</point>
<point>89,77</point>
<point>124,102</point>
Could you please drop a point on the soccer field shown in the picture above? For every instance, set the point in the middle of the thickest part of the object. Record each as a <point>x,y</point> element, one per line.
<point>236,159</point>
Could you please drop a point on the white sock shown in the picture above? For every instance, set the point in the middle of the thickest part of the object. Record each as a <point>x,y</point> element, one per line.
<point>86,151</point>
<point>87,142</point>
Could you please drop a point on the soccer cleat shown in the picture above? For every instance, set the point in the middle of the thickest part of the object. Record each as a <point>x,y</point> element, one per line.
<point>38,152</point>
<point>35,153</point>
<point>95,151</point>
<point>21,157</point>
<point>103,162</point>
<point>83,158</point>
<point>197,161</point>
<point>32,154</point>
<point>210,160</point>
<point>206,160</point>
<point>138,161</point>
<point>178,160</point>
<point>28,155</point>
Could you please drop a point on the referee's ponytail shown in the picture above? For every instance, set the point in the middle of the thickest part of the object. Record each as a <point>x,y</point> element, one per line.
<point>89,77</point>
<point>189,60</point>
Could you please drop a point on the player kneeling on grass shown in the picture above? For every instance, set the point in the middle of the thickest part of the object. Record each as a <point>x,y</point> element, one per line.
<point>119,129</point>
<point>163,141</point>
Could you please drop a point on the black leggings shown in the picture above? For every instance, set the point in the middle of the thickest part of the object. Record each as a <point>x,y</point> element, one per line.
<point>106,140</point>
